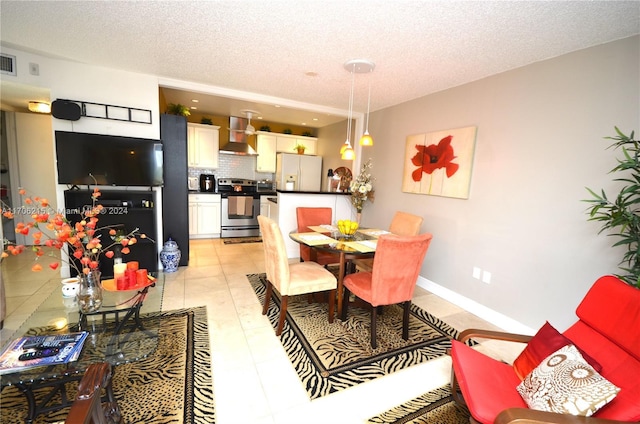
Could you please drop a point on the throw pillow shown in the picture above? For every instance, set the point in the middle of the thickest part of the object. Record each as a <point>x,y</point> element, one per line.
<point>546,341</point>
<point>565,383</point>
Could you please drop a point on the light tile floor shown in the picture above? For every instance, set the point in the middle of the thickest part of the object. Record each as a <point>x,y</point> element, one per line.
<point>254,381</point>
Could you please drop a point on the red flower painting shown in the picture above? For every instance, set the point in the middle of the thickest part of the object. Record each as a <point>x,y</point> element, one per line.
<point>432,157</point>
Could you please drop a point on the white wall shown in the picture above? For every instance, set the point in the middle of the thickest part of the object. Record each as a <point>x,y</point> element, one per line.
<point>81,82</point>
<point>539,143</point>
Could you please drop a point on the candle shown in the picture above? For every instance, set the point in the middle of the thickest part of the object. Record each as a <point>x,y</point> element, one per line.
<point>133,265</point>
<point>118,270</point>
<point>121,283</point>
<point>130,276</point>
<point>141,277</point>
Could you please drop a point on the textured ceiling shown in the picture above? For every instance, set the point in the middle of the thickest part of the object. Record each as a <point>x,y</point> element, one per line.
<point>270,47</point>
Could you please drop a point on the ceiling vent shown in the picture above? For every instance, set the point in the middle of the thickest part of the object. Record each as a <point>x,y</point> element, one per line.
<point>7,64</point>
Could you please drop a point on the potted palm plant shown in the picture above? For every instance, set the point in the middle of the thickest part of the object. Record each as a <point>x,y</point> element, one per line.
<point>620,215</point>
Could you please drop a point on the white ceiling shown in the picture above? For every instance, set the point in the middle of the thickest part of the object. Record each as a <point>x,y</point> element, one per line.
<point>262,52</point>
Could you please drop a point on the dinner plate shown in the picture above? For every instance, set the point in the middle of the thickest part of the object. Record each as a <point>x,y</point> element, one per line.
<point>111,285</point>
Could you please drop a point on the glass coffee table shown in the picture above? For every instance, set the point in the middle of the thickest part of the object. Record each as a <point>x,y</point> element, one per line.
<point>124,330</point>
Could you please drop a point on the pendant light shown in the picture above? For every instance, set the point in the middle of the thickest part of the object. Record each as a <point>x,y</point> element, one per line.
<point>353,66</point>
<point>366,139</point>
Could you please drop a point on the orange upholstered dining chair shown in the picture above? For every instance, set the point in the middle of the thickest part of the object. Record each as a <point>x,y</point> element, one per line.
<point>307,217</point>
<point>393,278</point>
<point>402,224</point>
<point>291,279</point>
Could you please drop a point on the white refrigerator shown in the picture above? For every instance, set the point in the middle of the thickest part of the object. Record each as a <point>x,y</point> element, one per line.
<point>304,171</point>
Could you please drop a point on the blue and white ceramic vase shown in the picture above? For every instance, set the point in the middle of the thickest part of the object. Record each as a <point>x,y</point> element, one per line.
<point>170,256</point>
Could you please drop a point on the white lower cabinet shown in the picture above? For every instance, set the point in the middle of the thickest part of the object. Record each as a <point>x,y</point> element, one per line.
<point>268,208</point>
<point>204,215</point>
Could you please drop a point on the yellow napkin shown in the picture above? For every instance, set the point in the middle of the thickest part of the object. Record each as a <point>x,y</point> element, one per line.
<point>374,232</point>
<point>323,228</point>
<point>363,246</point>
<point>313,239</point>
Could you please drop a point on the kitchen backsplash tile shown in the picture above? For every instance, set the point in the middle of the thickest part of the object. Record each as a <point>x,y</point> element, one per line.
<point>234,166</point>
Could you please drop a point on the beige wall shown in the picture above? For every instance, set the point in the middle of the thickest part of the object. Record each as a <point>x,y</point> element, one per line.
<point>539,143</point>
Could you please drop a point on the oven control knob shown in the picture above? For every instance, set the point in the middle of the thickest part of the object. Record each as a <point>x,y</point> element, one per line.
<point>170,256</point>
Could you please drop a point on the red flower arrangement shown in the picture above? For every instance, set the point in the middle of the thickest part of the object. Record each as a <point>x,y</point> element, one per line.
<point>52,229</point>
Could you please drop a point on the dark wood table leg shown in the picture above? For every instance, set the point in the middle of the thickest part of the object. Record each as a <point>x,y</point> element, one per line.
<point>340,280</point>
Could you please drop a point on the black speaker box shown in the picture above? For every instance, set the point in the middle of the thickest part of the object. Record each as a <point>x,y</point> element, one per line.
<point>63,109</point>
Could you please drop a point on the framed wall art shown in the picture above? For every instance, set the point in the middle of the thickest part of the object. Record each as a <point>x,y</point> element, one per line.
<point>439,163</point>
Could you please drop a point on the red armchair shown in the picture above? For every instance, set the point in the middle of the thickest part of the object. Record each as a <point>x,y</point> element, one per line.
<point>606,332</point>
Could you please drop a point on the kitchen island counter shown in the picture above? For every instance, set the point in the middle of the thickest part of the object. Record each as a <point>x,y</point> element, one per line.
<point>288,201</point>
<point>344,193</point>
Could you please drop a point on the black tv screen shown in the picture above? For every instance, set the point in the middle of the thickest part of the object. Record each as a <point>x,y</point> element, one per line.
<point>111,160</point>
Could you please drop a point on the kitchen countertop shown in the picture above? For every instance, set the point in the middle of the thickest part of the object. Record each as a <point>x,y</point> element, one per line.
<point>202,192</point>
<point>312,192</point>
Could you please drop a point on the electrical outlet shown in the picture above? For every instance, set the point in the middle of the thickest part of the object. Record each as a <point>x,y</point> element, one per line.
<point>34,69</point>
<point>476,272</point>
<point>486,277</point>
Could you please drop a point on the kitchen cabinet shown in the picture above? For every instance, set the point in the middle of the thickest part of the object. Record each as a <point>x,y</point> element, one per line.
<point>269,144</point>
<point>204,215</point>
<point>286,143</point>
<point>269,208</point>
<point>266,148</point>
<point>203,145</point>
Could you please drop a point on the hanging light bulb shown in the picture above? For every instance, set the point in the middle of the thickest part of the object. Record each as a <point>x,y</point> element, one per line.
<point>366,139</point>
<point>356,66</point>
<point>346,151</point>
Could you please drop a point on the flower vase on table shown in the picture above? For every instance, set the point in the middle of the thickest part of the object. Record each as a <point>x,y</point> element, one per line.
<point>90,292</point>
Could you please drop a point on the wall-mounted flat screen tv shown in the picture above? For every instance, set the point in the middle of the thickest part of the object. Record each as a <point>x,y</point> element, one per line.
<point>111,160</point>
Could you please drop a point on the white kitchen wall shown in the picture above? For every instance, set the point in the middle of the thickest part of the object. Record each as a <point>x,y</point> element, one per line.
<point>540,142</point>
<point>233,166</point>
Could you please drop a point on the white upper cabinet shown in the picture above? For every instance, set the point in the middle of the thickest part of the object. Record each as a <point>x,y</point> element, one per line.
<point>286,143</point>
<point>266,148</point>
<point>203,145</point>
<point>268,144</point>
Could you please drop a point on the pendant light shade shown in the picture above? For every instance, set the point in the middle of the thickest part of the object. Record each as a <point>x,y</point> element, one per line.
<point>366,139</point>
<point>355,66</point>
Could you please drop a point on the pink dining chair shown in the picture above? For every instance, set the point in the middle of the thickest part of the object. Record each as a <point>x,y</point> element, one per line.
<point>310,216</point>
<point>402,224</point>
<point>291,279</point>
<point>393,278</point>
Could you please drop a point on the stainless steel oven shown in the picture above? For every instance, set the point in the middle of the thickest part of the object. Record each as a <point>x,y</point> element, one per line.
<point>240,208</point>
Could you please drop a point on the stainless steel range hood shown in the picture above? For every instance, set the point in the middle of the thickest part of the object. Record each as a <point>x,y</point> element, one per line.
<point>237,144</point>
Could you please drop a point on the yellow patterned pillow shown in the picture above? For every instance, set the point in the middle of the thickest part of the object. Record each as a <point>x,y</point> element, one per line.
<point>565,383</point>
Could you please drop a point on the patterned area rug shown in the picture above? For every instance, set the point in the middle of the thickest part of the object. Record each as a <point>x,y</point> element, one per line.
<point>332,357</point>
<point>236,240</point>
<point>432,407</point>
<point>174,385</point>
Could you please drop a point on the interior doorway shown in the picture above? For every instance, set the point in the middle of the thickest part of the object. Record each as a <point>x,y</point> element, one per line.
<point>8,225</point>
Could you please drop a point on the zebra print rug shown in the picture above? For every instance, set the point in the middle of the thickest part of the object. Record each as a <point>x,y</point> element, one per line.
<point>436,406</point>
<point>332,357</point>
<point>173,385</point>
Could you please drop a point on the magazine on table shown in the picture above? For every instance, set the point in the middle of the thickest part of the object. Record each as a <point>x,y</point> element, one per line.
<point>37,351</point>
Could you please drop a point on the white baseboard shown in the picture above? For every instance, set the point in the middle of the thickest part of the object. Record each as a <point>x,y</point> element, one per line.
<point>475,308</point>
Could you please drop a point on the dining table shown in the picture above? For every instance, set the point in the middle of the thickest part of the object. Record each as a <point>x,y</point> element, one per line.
<point>327,238</point>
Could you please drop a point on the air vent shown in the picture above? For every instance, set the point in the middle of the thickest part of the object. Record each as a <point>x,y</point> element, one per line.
<point>7,64</point>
